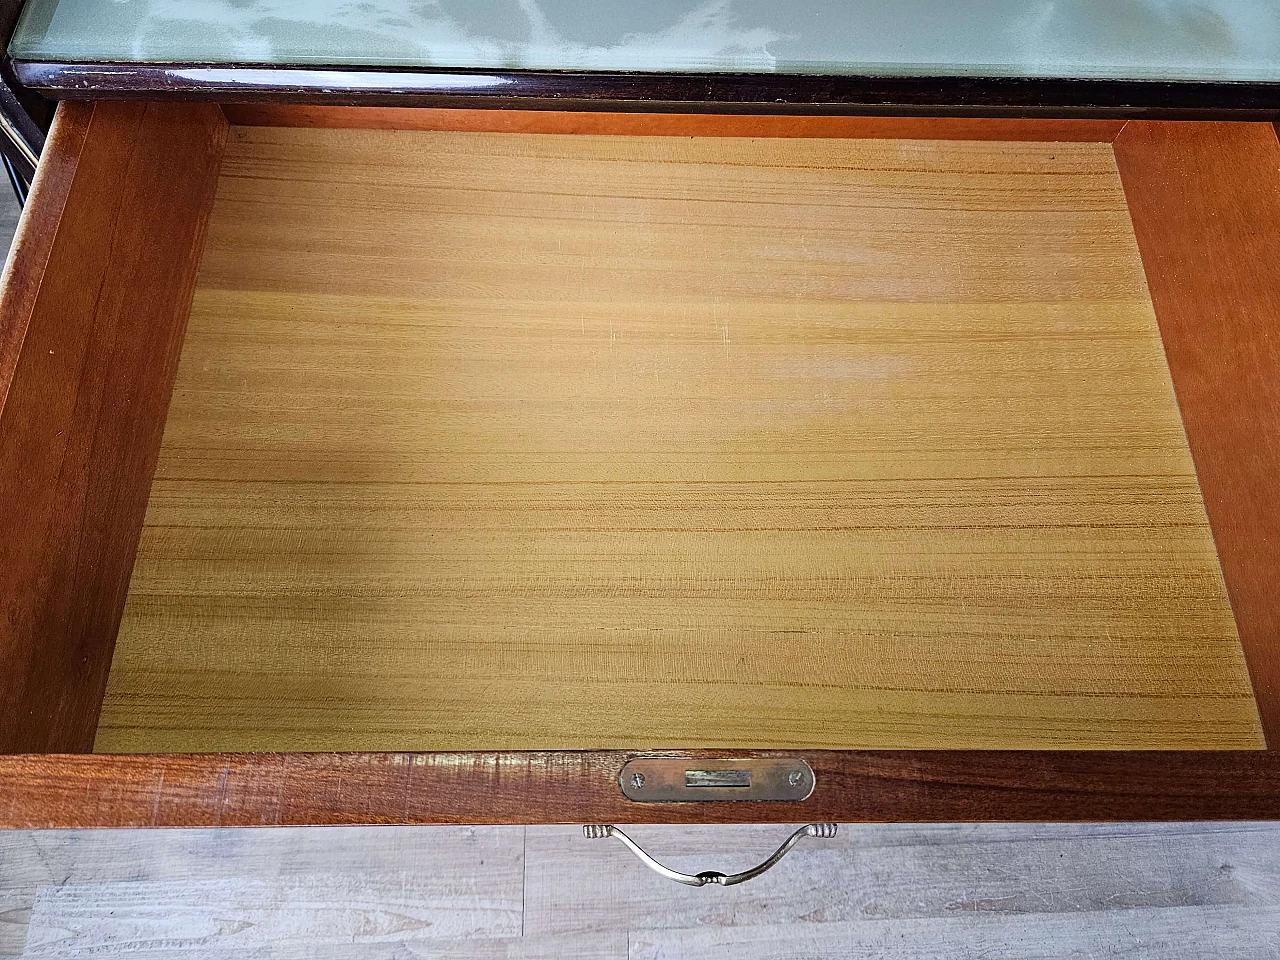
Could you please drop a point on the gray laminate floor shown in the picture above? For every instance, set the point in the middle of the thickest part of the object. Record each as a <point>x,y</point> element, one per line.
<point>890,892</point>
<point>886,892</point>
<point>9,213</point>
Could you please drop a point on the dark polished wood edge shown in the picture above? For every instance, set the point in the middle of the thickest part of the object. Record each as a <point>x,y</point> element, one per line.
<point>654,92</point>
<point>23,115</point>
<point>1204,199</point>
<point>21,139</point>
<point>10,11</point>
<point>223,790</point>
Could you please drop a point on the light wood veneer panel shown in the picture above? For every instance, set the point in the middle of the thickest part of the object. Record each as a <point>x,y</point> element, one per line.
<point>487,441</point>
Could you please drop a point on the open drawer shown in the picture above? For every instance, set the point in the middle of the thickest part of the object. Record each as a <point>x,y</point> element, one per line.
<point>392,465</point>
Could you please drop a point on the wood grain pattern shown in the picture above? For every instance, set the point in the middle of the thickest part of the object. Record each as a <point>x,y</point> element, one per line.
<point>1205,202</point>
<point>225,790</point>
<point>506,442</point>
<point>1145,934</point>
<point>277,893</point>
<point>1120,891</point>
<point>94,303</point>
<point>870,874</point>
<point>669,124</point>
<point>477,895</point>
<point>33,240</point>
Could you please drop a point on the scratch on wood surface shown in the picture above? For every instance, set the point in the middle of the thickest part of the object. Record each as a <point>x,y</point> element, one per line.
<point>155,807</point>
<point>281,786</point>
<point>220,800</point>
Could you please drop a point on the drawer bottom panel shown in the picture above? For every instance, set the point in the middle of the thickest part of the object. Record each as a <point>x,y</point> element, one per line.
<point>504,441</point>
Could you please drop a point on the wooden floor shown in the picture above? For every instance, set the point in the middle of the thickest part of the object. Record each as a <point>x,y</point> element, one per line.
<point>1168,892</point>
<point>491,441</point>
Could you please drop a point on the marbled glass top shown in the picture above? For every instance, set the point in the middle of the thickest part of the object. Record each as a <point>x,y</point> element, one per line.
<point>1126,39</point>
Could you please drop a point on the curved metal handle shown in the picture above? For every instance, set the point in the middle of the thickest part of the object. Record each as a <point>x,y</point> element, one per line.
<point>598,831</point>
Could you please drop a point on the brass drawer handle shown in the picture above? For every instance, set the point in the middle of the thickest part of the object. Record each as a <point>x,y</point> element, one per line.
<point>597,831</point>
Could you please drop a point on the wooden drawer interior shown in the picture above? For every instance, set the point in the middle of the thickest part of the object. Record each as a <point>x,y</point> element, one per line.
<point>500,440</point>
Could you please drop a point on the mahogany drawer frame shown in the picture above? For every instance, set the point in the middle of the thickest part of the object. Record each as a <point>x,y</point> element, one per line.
<point>92,317</point>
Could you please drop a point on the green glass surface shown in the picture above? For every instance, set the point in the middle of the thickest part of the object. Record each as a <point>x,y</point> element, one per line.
<point>1118,39</point>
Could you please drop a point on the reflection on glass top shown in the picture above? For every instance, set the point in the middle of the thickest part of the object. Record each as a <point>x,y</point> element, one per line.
<point>1127,39</point>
